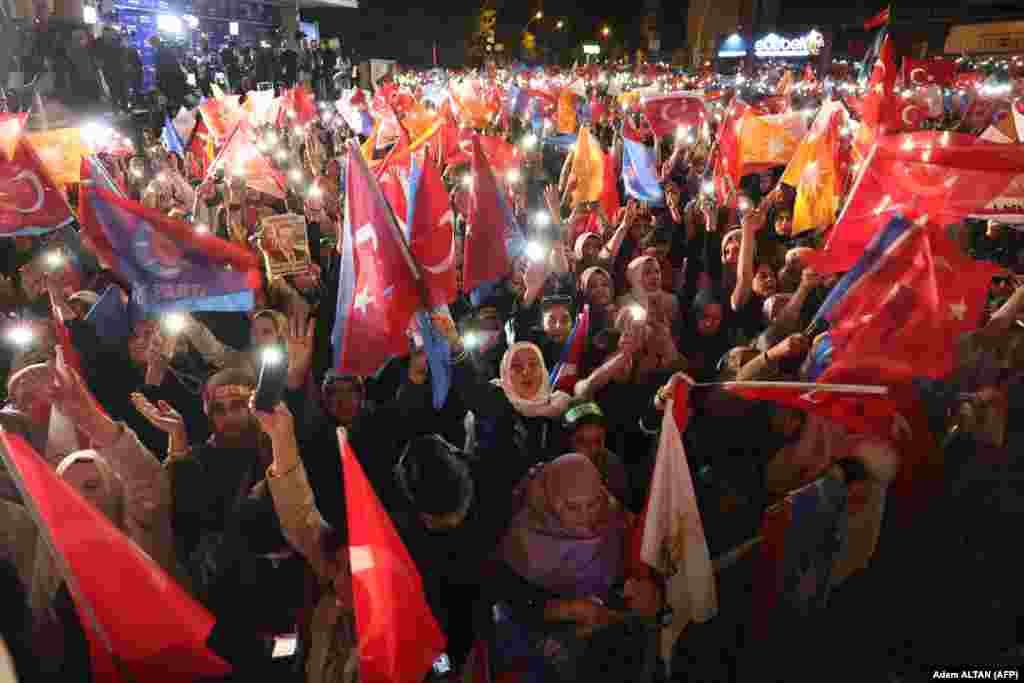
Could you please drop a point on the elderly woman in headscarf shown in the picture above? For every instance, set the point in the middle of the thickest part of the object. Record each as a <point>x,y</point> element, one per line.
<point>569,584</point>
<point>517,413</point>
<point>661,308</point>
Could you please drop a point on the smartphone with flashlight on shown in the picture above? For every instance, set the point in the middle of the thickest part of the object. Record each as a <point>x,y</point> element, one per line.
<point>273,376</point>
<point>442,665</point>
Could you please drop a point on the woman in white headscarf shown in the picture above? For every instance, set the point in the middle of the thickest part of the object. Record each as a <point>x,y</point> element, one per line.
<point>661,308</point>
<point>517,413</point>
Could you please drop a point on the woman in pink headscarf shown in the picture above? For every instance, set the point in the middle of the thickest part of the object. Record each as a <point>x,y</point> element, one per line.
<point>566,557</point>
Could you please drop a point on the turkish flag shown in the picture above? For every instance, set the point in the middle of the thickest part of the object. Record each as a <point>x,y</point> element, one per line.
<point>938,70</point>
<point>878,109</point>
<point>30,203</point>
<point>129,608</point>
<point>486,255</point>
<point>399,639</point>
<point>946,176</point>
<point>666,113</point>
<point>903,313</point>
<point>858,407</point>
<point>377,290</point>
<point>432,234</point>
<point>241,157</point>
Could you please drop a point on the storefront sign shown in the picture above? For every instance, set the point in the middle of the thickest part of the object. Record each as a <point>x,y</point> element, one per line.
<point>773,45</point>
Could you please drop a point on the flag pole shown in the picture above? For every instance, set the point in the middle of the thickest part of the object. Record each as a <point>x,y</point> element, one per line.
<point>85,609</point>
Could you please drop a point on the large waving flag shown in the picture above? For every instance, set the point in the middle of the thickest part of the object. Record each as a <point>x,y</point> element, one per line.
<point>487,254</point>
<point>878,107</point>
<point>378,291</point>
<point>30,203</point>
<point>139,623</point>
<point>673,535</point>
<point>946,176</point>
<point>666,113</point>
<point>901,309</point>
<point>639,175</point>
<point>587,168</point>
<point>169,265</point>
<point>398,637</point>
<point>858,407</point>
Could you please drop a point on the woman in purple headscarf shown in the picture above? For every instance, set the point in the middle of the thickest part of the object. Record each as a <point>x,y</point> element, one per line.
<point>565,571</point>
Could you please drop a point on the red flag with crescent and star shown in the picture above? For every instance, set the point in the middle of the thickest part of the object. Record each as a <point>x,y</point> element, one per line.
<point>30,203</point>
<point>946,176</point>
<point>377,289</point>
<point>668,112</point>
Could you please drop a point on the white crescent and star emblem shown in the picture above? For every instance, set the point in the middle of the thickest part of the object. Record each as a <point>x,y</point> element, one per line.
<point>33,180</point>
<point>918,81</point>
<point>444,265</point>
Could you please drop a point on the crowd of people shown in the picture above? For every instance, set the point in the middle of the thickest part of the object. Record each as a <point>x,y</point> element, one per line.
<point>521,497</point>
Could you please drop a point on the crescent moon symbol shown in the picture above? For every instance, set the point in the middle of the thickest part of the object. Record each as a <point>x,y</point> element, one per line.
<point>446,263</point>
<point>913,79</point>
<point>907,110</point>
<point>32,179</point>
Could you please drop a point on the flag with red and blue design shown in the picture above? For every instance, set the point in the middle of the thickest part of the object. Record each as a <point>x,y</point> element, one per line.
<point>169,265</point>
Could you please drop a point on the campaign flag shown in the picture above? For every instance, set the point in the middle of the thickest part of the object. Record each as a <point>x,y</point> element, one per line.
<point>169,265</point>
<point>30,203</point>
<point>946,176</point>
<point>170,139</point>
<point>673,534</point>
<point>639,174</point>
<point>801,537</point>
<point>378,290</point>
<point>816,171</point>
<point>432,232</point>
<point>398,637</point>
<point>201,145</point>
<point>587,168</point>
<point>140,625</point>
<point>666,113</point>
<point>566,120</point>
<point>770,140</point>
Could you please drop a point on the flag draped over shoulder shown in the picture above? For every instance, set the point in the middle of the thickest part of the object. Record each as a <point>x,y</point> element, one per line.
<point>673,537</point>
<point>169,265</point>
<point>140,625</point>
<point>398,637</point>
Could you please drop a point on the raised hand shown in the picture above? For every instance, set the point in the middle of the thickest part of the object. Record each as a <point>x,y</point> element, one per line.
<point>163,416</point>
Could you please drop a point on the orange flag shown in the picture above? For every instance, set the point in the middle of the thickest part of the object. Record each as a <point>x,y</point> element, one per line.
<point>767,141</point>
<point>587,168</point>
<point>566,113</point>
<point>814,171</point>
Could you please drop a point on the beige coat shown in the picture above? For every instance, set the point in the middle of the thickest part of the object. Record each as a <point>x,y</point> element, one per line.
<point>332,653</point>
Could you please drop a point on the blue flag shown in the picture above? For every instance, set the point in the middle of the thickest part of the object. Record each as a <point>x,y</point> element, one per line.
<point>638,174</point>
<point>170,139</point>
<point>438,359</point>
